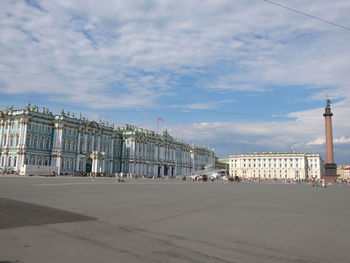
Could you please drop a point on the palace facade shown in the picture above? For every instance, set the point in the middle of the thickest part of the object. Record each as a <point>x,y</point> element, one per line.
<point>38,137</point>
<point>277,165</point>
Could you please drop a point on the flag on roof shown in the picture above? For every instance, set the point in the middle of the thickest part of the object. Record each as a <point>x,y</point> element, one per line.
<point>160,119</point>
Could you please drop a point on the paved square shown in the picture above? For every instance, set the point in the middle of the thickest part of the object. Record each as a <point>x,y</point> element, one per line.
<point>171,221</point>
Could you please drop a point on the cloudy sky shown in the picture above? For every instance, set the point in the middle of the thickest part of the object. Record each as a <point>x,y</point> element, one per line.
<point>238,76</point>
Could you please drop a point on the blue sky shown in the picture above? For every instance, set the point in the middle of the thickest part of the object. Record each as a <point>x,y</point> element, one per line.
<point>237,76</point>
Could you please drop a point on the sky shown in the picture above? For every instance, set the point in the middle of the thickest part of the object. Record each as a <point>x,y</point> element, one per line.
<point>237,76</point>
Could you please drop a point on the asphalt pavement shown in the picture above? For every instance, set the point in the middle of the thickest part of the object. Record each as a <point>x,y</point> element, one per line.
<point>66,219</point>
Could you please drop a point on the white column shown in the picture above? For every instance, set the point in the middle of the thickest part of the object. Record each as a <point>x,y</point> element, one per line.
<point>1,131</point>
<point>98,143</point>
<point>132,148</point>
<point>155,170</point>
<point>162,170</point>
<point>58,137</point>
<point>78,145</point>
<point>111,153</point>
<point>24,135</point>
<point>8,134</point>
<point>85,142</point>
<point>155,152</point>
<point>77,163</point>
<point>132,168</point>
<point>111,167</point>
<point>136,149</point>
<point>95,164</point>
<point>58,164</point>
<point>103,166</point>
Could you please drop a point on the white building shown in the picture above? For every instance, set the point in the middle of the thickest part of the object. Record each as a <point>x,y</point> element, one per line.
<point>277,165</point>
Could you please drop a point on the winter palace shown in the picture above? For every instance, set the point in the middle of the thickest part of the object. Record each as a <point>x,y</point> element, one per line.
<point>31,136</point>
<point>277,165</point>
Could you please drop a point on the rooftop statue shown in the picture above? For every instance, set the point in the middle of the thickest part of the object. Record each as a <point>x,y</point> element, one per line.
<point>328,103</point>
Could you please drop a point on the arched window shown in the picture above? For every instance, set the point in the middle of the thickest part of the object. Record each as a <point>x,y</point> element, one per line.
<point>35,142</point>
<point>64,144</point>
<point>15,161</point>
<point>17,139</point>
<point>28,140</point>
<point>34,160</point>
<point>95,147</point>
<point>46,162</point>
<point>40,161</point>
<point>72,165</point>
<point>62,163</point>
<point>2,161</point>
<point>68,145</point>
<point>11,140</point>
<point>42,143</point>
<point>47,146</point>
<point>9,161</point>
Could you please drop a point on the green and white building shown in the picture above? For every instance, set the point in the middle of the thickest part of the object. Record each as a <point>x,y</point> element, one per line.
<point>31,136</point>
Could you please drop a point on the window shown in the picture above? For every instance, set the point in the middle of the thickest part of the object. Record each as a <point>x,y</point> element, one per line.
<point>9,161</point>
<point>41,143</point>
<point>11,140</point>
<point>17,140</point>
<point>29,126</point>
<point>28,141</point>
<point>35,142</point>
<point>48,143</point>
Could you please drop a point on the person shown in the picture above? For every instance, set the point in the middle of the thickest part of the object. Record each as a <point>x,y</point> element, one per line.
<point>116,177</point>
<point>323,182</point>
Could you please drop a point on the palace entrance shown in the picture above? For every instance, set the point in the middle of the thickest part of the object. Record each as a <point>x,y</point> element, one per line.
<point>88,166</point>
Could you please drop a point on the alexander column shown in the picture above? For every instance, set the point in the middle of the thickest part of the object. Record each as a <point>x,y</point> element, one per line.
<point>330,167</point>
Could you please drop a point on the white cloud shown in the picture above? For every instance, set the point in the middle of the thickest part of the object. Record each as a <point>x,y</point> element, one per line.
<point>322,140</point>
<point>80,48</point>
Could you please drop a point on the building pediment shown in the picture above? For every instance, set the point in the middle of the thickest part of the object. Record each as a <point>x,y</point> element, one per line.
<point>93,124</point>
